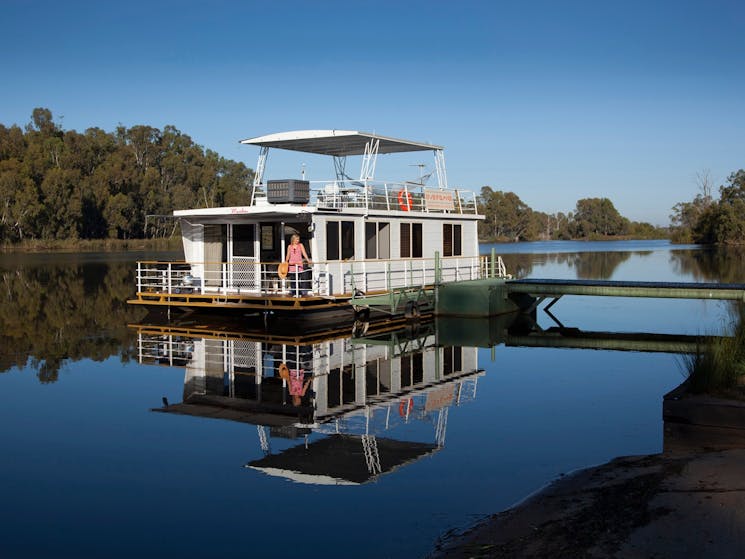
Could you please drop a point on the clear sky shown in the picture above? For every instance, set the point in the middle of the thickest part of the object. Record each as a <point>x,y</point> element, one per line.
<point>553,100</point>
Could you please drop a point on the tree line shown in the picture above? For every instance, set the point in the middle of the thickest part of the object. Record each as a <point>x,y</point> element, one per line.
<point>508,218</point>
<point>707,220</point>
<point>57,184</point>
<point>65,185</point>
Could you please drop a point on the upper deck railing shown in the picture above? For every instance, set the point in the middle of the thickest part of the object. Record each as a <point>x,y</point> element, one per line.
<point>387,196</point>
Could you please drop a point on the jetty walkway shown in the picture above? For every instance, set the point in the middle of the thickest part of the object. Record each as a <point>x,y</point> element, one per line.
<point>678,290</point>
<point>529,293</point>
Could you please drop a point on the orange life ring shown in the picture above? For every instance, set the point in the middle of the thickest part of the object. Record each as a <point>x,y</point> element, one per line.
<point>404,200</point>
<point>403,410</point>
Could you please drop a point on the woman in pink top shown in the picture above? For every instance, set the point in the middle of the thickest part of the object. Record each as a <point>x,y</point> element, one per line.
<point>296,381</point>
<point>296,254</point>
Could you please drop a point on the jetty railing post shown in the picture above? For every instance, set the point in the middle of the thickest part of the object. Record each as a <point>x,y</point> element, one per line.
<point>139,277</point>
<point>493,263</point>
<point>168,278</point>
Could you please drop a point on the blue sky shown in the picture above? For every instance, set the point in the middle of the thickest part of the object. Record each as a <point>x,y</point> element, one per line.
<point>555,101</point>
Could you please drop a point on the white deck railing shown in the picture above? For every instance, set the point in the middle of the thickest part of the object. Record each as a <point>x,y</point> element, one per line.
<point>333,278</point>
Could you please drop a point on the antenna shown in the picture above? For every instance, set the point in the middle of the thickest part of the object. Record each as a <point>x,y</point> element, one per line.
<point>422,177</point>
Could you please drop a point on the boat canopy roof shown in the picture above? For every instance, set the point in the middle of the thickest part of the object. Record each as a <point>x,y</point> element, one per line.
<point>338,143</point>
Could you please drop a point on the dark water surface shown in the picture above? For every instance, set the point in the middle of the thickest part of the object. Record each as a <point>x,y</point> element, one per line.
<point>89,470</point>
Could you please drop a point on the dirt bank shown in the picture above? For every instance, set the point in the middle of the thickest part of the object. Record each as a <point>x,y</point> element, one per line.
<point>674,505</point>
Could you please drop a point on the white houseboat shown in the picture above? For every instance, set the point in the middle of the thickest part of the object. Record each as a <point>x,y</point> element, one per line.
<point>366,241</point>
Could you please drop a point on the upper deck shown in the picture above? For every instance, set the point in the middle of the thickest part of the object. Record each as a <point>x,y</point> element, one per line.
<point>364,197</point>
<point>366,193</point>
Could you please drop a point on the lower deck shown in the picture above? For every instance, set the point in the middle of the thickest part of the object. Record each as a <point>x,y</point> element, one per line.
<point>260,287</point>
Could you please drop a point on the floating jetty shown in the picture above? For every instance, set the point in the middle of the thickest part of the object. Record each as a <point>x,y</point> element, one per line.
<point>494,296</point>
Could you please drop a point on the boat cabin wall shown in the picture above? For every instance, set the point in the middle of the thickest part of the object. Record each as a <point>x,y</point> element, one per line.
<point>332,238</point>
<point>345,237</point>
<point>210,243</point>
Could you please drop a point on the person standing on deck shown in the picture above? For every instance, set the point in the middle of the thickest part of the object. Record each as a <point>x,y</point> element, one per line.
<point>295,256</point>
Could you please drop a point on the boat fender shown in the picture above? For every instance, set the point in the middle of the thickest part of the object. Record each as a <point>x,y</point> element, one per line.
<point>404,200</point>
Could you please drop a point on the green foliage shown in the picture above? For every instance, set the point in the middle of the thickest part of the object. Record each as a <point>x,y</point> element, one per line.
<point>719,365</point>
<point>57,184</point>
<point>704,220</point>
<point>508,218</point>
<point>598,217</point>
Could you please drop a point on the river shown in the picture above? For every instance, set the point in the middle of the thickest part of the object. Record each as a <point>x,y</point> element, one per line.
<point>95,465</point>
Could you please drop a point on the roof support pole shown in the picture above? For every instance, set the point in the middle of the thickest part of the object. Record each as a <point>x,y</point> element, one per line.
<point>340,164</point>
<point>259,174</point>
<point>369,159</point>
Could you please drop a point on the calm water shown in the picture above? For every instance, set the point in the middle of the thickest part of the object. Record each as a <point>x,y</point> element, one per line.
<point>90,470</point>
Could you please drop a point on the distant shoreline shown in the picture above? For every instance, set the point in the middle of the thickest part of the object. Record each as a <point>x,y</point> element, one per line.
<point>174,243</point>
<point>91,245</point>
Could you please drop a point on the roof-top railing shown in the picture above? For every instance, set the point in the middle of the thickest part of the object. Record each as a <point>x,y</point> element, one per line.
<point>379,195</point>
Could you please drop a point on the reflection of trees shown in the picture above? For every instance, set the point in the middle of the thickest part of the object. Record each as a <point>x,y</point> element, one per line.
<point>596,265</point>
<point>57,312</point>
<point>588,265</point>
<point>520,265</point>
<point>720,264</point>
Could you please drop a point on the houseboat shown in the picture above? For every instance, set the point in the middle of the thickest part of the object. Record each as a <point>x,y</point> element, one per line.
<point>343,243</point>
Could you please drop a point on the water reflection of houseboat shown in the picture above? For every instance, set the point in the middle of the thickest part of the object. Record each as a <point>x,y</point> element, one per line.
<point>362,391</point>
<point>365,238</point>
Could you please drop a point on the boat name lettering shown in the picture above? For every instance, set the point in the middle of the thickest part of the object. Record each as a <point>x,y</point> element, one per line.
<point>438,199</point>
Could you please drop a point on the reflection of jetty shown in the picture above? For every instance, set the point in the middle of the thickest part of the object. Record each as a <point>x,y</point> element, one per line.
<point>619,341</point>
<point>521,330</point>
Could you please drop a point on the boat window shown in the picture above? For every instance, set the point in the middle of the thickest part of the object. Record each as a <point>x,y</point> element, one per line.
<point>452,358</point>
<point>451,239</point>
<point>332,240</point>
<point>377,240</point>
<point>339,240</point>
<point>411,240</point>
<point>347,240</point>
<point>243,240</point>
<point>412,369</point>
<point>341,386</point>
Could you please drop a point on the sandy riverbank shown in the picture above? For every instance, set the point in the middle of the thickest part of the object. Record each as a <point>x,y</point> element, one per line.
<point>662,506</point>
